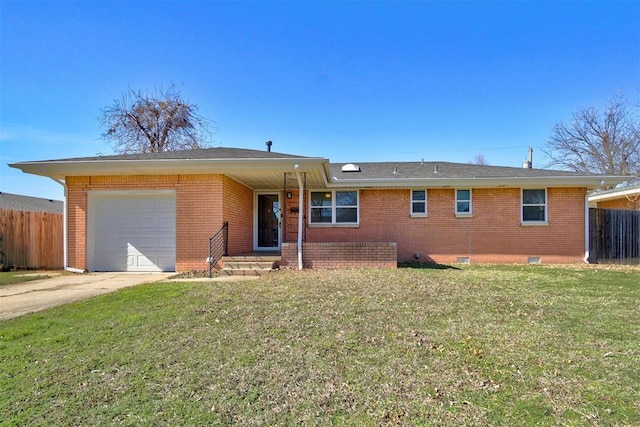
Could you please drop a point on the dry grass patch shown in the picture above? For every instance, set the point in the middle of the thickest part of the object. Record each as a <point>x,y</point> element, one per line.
<point>21,276</point>
<point>477,346</point>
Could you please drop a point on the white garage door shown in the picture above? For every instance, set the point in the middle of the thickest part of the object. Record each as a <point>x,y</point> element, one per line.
<point>132,232</point>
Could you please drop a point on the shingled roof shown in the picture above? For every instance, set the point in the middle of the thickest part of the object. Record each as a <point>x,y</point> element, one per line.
<point>26,203</point>
<point>442,170</point>
<point>219,153</point>
<point>261,169</point>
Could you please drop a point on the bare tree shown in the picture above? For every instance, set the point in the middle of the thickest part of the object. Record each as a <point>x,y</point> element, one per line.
<point>633,201</point>
<point>142,122</point>
<point>479,159</point>
<point>606,142</point>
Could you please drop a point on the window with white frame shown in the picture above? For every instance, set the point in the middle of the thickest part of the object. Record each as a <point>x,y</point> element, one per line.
<point>534,206</point>
<point>334,207</point>
<point>463,202</point>
<point>418,202</point>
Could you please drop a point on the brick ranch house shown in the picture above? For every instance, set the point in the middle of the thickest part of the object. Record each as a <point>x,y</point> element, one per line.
<point>156,211</point>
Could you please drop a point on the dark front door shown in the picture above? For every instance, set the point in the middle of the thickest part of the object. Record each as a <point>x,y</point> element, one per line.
<point>268,221</point>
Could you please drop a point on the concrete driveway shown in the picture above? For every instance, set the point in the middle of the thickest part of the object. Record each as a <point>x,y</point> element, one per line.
<point>23,298</point>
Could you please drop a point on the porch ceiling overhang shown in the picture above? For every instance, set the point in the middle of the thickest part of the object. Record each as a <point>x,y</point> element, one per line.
<point>258,174</point>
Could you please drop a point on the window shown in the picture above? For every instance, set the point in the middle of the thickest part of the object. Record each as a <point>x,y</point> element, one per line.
<point>334,207</point>
<point>418,202</point>
<point>534,206</point>
<point>321,210</point>
<point>463,202</point>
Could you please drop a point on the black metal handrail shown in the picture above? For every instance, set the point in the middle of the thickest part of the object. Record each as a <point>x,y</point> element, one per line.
<point>218,246</point>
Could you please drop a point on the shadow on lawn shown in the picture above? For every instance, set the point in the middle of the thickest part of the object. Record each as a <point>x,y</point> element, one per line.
<point>426,265</point>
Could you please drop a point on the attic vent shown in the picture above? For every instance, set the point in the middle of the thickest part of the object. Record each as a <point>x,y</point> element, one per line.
<point>350,167</point>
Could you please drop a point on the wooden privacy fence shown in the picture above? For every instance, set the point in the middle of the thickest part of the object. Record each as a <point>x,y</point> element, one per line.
<point>614,236</point>
<point>31,239</point>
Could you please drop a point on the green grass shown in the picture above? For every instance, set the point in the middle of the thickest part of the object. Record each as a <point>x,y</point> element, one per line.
<point>15,277</point>
<point>481,345</point>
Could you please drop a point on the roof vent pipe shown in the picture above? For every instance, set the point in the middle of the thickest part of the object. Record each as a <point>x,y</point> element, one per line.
<point>528,164</point>
<point>269,143</point>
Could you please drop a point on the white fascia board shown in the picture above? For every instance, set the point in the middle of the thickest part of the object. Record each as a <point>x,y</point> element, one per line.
<point>614,194</point>
<point>519,182</point>
<point>60,169</point>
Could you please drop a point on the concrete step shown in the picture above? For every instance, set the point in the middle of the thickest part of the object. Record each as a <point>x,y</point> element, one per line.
<point>249,265</point>
<point>252,258</point>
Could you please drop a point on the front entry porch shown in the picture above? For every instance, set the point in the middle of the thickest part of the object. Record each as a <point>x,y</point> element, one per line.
<point>250,264</point>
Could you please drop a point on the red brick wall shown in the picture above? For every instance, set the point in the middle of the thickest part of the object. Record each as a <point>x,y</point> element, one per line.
<point>77,222</point>
<point>493,234</point>
<point>199,207</point>
<point>340,255</point>
<point>200,211</point>
<point>238,210</point>
<point>290,219</point>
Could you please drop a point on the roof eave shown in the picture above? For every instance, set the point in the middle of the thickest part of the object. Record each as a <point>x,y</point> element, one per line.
<point>62,169</point>
<point>590,182</point>
<point>612,195</point>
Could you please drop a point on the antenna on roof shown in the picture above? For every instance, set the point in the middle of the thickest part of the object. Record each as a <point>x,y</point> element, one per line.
<point>269,144</point>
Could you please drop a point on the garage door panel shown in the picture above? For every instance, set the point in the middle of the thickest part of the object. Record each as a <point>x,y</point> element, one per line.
<point>147,221</point>
<point>125,221</point>
<point>166,242</point>
<point>143,261</point>
<point>166,262</point>
<point>147,242</point>
<point>113,261</point>
<point>166,221</point>
<point>148,203</point>
<point>111,248</point>
<point>134,233</point>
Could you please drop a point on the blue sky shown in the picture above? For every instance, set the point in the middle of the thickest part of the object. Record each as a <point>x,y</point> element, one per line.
<point>351,81</point>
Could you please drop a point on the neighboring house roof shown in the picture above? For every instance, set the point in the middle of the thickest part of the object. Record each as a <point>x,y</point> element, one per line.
<point>264,170</point>
<point>26,203</point>
<point>615,193</point>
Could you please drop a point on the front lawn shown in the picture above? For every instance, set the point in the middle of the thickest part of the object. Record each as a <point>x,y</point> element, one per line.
<point>520,345</point>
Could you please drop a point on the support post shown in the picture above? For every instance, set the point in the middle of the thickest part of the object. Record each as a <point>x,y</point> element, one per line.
<point>587,243</point>
<point>300,213</point>
<point>65,206</point>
